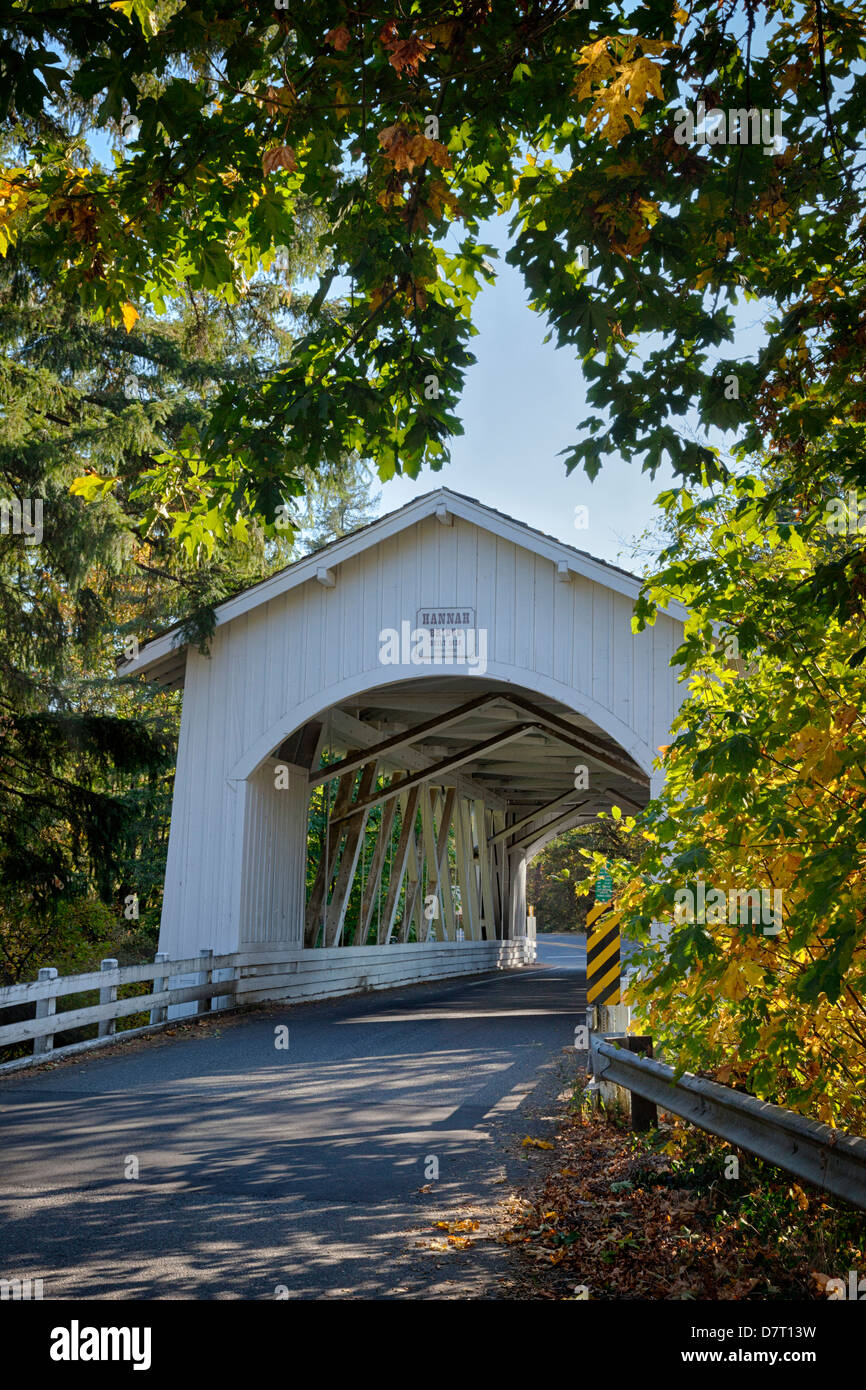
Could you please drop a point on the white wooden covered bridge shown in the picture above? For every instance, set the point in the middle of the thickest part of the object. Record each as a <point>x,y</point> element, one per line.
<point>437,696</point>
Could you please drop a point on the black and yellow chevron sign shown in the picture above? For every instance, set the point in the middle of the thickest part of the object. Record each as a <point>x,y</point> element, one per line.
<point>602,955</point>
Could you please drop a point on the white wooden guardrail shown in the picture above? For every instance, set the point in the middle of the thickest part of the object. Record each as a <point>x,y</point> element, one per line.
<point>252,976</point>
<point>827,1158</point>
<point>45,992</point>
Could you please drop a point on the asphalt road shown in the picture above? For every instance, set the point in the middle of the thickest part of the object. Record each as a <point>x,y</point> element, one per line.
<point>295,1170</point>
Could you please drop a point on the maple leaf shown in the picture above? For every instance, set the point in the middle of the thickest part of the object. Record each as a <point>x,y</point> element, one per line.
<point>408,53</point>
<point>442,33</point>
<point>279,157</point>
<point>341,106</point>
<point>129,314</point>
<point>338,38</point>
<point>735,982</point>
<point>439,196</point>
<point>598,66</point>
<point>407,150</point>
<point>389,197</point>
<point>277,99</point>
<point>416,297</point>
<point>624,99</point>
<point>379,296</point>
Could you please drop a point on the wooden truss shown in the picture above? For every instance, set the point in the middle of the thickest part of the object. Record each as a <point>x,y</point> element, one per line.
<point>443,854</point>
<point>435,878</point>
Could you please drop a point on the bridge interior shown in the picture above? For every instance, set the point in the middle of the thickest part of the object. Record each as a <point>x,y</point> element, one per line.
<point>429,796</point>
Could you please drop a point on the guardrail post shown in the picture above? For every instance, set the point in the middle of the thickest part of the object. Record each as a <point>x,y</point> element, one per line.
<point>205,978</point>
<point>644,1113</point>
<point>44,1009</point>
<point>159,1012</point>
<point>108,995</point>
<point>613,1019</point>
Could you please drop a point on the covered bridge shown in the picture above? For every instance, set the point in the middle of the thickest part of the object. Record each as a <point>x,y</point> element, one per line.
<point>435,697</point>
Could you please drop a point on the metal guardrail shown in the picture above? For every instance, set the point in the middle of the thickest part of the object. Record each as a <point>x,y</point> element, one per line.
<point>828,1158</point>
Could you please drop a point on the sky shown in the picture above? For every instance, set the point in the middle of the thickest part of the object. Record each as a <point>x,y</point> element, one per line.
<point>521,406</point>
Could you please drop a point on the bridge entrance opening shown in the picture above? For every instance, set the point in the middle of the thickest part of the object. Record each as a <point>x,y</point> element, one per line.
<point>427,799</point>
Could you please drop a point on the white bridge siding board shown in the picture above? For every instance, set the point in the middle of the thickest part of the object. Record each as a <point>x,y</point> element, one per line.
<point>447,550</point>
<point>542,617</point>
<point>485,591</point>
<point>503,632</point>
<point>427,580</point>
<point>602,620</point>
<point>234,799</point>
<point>337,970</point>
<point>274,643</point>
<point>581,642</point>
<point>389,601</point>
<point>563,629</point>
<point>642,685</point>
<point>523,608</point>
<point>368,623</point>
<point>622,658</point>
<point>235,869</point>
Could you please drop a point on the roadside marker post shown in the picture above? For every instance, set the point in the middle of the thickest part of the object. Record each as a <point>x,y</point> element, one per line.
<point>603,957</point>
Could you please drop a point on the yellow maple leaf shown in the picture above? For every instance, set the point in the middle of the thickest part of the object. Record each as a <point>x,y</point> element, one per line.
<point>597,64</point>
<point>130,315</point>
<point>91,485</point>
<point>753,972</point>
<point>624,100</point>
<point>732,983</point>
<point>341,105</point>
<point>536,1143</point>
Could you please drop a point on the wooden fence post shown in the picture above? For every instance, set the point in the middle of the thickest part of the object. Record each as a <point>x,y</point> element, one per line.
<point>108,995</point>
<point>44,1009</point>
<point>205,978</point>
<point>159,1012</point>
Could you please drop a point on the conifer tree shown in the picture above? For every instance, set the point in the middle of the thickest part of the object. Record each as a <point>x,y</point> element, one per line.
<point>85,787</point>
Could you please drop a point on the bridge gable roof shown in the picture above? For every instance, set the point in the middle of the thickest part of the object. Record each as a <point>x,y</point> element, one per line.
<point>163,657</point>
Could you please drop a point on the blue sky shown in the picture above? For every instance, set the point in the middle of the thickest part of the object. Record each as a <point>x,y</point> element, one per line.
<point>521,406</point>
